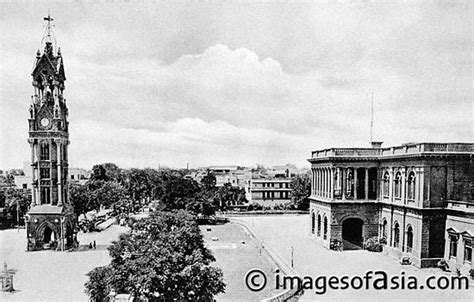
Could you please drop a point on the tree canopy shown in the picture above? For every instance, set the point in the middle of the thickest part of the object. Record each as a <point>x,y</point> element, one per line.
<point>301,190</point>
<point>162,258</point>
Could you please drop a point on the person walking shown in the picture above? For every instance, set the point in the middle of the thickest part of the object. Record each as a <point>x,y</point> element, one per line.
<point>94,245</point>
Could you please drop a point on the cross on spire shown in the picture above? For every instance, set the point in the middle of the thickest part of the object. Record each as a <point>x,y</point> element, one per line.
<point>48,26</point>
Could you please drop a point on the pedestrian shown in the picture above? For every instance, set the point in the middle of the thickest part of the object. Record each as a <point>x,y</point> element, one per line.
<point>90,245</point>
<point>94,245</point>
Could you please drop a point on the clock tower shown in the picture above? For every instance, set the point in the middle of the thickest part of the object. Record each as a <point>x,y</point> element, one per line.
<point>50,222</point>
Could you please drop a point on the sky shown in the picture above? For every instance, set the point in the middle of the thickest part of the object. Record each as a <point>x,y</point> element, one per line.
<point>204,83</point>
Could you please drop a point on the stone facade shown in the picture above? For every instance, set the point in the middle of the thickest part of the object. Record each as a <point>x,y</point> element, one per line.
<point>270,191</point>
<point>400,193</point>
<point>50,222</point>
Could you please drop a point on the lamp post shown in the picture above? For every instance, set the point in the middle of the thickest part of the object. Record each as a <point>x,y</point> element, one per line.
<point>18,215</point>
<point>62,233</point>
<point>292,251</point>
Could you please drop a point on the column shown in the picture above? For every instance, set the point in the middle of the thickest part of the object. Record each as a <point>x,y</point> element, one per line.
<point>390,184</point>
<point>38,175</point>
<point>403,184</point>
<point>331,187</point>
<point>366,188</point>
<point>325,182</point>
<point>51,172</point>
<point>59,167</point>
<point>33,193</point>
<point>315,182</point>
<point>343,187</point>
<point>329,182</point>
<point>355,183</point>
<point>320,183</point>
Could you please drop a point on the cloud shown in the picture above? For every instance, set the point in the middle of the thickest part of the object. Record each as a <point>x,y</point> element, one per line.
<point>216,84</point>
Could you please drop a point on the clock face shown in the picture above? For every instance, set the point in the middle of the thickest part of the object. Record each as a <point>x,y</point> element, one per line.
<point>44,122</point>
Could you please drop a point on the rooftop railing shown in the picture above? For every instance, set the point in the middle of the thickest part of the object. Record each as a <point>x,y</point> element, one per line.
<point>410,148</point>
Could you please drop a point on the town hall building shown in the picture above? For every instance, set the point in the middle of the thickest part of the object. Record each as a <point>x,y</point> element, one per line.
<point>50,222</point>
<point>417,196</point>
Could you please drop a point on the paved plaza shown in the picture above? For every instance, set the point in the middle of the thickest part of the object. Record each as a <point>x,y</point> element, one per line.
<point>49,275</point>
<point>236,253</point>
<point>285,231</point>
<point>63,278</point>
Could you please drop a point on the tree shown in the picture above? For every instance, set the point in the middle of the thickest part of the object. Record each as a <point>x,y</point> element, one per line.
<point>176,190</point>
<point>209,182</point>
<point>98,285</point>
<point>300,191</point>
<point>227,195</point>
<point>17,201</point>
<point>107,172</point>
<point>104,193</point>
<point>79,196</point>
<point>162,258</point>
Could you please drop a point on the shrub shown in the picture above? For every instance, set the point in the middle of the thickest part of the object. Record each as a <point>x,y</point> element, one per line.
<point>373,245</point>
<point>443,265</point>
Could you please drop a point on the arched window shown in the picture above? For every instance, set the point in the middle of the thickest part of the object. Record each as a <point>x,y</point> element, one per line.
<point>398,185</point>
<point>325,228</point>
<point>44,151</point>
<point>384,228</point>
<point>409,239</point>
<point>396,235</point>
<point>312,223</point>
<point>319,225</point>
<point>411,186</point>
<point>386,186</point>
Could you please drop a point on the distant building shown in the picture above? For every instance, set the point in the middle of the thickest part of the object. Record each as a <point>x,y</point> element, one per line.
<point>78,175</point>
<point>235,175</point>
<point>282,171</point>
<point>267,191</point>
<point>417,196</point>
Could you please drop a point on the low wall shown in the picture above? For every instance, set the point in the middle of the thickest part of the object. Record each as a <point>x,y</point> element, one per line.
<point>262,212</point>
<point>289,294</point>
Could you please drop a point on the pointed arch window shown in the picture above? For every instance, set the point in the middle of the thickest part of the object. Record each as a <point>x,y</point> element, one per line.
<point>398,185</point>
<point>409,246</point>
<point>384,228</point>
<point>325,228</point>
<point>396,235</point>
<point>411,186</point>
<point>319,225</point>
<point>386,184</point>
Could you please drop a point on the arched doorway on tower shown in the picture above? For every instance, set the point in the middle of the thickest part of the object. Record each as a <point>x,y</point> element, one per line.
<point>352,233</point>
<point>48,235</point>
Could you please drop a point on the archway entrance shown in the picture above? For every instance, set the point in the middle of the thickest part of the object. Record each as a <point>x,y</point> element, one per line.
<point>352,233</point>
<point>47,234</point>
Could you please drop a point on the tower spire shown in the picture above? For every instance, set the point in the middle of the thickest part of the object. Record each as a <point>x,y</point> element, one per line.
<point>48,37</point>
<point>48,26</point>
